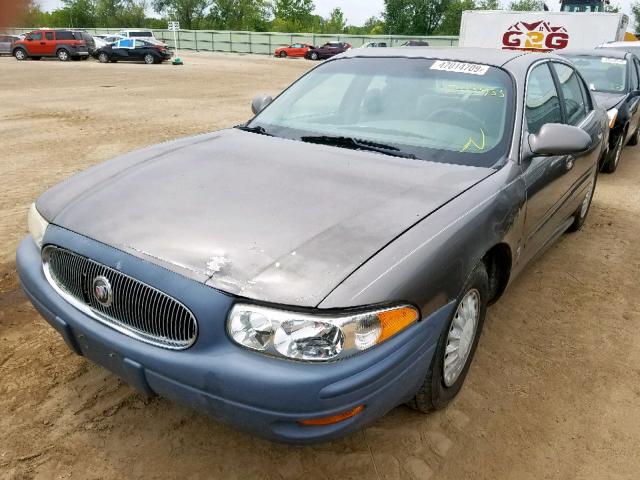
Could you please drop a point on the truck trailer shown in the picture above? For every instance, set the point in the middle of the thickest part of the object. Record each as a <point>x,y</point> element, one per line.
<point>542,31</point>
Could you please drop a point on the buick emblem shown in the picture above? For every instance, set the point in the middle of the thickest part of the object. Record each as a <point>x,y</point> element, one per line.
<point>102,291</point>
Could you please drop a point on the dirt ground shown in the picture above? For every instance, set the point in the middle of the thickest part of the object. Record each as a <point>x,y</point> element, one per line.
<point>554,391</point>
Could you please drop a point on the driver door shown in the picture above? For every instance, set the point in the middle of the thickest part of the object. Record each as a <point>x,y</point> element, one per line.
<point>122,49</point>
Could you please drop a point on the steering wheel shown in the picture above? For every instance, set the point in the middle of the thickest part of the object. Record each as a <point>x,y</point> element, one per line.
<point>456,112</point>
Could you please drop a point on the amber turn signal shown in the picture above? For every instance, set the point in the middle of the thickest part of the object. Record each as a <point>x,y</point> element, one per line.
<point>394,321</point>
<point>334,418</point>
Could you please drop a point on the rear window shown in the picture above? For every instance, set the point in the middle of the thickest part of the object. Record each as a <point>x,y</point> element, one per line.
<point>64,35</point>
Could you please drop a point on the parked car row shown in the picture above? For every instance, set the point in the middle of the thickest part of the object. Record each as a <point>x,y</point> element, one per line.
<point>129,45</point>
<point>331,49</point>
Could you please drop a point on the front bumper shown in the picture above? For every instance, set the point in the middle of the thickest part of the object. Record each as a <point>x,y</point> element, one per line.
<point>252,392</point>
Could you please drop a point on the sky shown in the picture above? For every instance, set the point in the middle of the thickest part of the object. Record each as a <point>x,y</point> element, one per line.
<point>357,11</point>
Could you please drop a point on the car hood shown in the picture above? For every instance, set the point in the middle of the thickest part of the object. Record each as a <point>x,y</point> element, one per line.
<point>264,218</point>
<point>608,100</point>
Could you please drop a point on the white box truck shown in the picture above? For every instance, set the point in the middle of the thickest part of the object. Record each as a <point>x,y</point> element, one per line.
<point>540,31</point>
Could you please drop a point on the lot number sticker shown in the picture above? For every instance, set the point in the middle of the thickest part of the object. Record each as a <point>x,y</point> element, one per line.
<point>459,67</point>
<point>615,61</point>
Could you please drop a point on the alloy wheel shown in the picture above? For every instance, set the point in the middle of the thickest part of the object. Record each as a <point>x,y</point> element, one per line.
<point>618,150</point>
<point>461,337</point>
<point>103,57</point>
<point>148,59</point>
<point>20,55</point>
<point>63,55</point>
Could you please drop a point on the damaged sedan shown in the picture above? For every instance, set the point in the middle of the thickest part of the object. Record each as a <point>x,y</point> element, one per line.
<point>302,274</point>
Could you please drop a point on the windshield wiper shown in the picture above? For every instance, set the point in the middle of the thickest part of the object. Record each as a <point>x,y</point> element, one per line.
<point>257,129</point>
<point>356,144</point>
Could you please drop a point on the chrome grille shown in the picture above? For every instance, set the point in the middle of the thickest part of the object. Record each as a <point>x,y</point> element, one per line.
<point>135,308</point>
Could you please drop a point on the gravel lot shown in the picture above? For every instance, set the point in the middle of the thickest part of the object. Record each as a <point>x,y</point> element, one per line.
<point>554,391</point>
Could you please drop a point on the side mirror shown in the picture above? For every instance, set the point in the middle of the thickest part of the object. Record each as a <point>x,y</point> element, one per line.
<point>559,139</point>
<point>260,103</point>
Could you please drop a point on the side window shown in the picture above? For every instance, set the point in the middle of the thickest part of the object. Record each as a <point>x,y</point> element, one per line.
<point>636,69</point>
<point>635,83</point>
<point>542,103</point>
<point>64,35</point>
<point>48,35</point>
<point>573,99</point>
<point>36,36</point>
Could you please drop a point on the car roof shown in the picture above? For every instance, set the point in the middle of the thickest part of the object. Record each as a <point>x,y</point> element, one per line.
<point>634,43</point>
<point>486,56</point>
<point>611,53</point>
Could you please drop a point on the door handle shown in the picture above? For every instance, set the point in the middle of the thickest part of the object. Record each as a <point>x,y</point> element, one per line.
<point>42,43</point>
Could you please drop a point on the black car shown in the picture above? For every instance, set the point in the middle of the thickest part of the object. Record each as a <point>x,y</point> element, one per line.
<point>613,77</point>
<point>135,50</point>
<point>328,50</point>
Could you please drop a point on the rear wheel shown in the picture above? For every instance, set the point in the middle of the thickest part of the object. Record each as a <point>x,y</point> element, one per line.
<point>456,346</point>
<point>315,56</point>
<point>581,214</point>
<point>20,54</point>
<point>149,59</point>
<point>611,164</point>
<point>63,55</point>
<point>103,58</point>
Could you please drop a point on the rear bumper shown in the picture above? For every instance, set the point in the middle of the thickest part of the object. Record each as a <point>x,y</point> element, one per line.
<point>249,391</point>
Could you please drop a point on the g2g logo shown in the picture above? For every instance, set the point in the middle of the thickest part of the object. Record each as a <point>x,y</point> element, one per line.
<point>538,36</point>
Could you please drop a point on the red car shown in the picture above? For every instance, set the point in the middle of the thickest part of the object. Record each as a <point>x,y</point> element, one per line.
<point>295,50</point>
<point>64,44</point>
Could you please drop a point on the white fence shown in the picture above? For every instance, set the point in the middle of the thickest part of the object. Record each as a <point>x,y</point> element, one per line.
<point>263,43</point>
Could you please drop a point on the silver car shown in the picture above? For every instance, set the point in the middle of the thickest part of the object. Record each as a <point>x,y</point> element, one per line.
<point>302,274</point>
<point>6,44</point>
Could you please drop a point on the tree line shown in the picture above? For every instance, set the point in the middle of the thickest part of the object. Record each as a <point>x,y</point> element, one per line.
<point>399,17</point>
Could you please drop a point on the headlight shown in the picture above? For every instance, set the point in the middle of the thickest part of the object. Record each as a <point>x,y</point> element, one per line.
<point>613,115</point>
<point>315,337</point>
<point>37,225</point>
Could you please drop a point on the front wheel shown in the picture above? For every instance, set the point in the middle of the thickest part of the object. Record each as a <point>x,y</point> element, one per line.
<point>635,138</point>
<point>456,346</point>
<point>283,54</point>
<point>103,58</point>
<point>63,55</point>
<point>149,59</point>
<point>20,54</point>
<point>611,164</point>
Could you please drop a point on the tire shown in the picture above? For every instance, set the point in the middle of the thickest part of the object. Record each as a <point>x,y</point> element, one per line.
<point>63,55</point>
<point>314,56</point>
<point>635,138</point>
<point>613,160</point>
<point>440,386</point>
<point>283,54</point>
<point>103,57</point>
<point>149,59</point>
<point>583,211</point>
<point>20,54</point>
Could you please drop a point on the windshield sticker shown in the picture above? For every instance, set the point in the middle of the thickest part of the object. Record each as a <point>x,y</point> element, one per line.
<point>481,91</point>
<point>459,67</point>
<point>473,143</point>
<point>616,61</point>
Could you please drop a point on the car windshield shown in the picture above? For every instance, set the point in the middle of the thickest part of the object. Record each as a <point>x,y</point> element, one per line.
<point>603,74</point>
<point>429,110</point>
